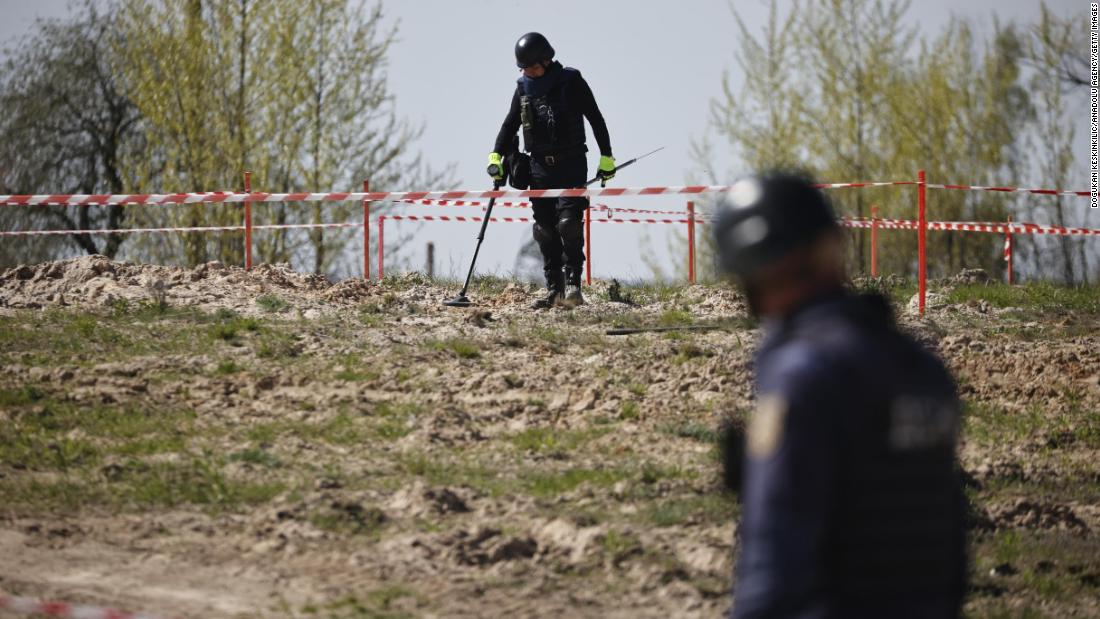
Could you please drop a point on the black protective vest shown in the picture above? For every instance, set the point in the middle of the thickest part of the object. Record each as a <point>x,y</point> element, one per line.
<point>897,525</point>
<point>550,125</point>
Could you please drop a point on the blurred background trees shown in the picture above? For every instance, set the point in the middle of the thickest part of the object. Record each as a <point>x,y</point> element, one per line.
<point>190,93</point>
<point>847,90</point>
<point>159,96</point>
<point>66,127</point>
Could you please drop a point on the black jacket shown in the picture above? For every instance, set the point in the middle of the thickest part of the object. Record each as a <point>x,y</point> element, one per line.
<point>573,91</point>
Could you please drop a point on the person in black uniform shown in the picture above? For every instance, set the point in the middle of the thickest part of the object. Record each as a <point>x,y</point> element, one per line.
<point>550,103</point>
<point>852,503</point>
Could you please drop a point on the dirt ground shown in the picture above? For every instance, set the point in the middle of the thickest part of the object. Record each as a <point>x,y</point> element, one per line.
<point>212,442</point>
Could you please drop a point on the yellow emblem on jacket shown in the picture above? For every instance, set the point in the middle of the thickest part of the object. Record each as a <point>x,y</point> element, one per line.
<point>767,424</point>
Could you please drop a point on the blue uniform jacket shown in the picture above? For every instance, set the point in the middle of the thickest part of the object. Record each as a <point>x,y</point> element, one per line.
<point>852,504</point>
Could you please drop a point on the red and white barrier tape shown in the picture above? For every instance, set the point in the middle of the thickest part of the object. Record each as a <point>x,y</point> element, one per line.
<point>30,606</point>
<point>353,224</point>
<point>374,196</point>
<point>973,226</point>
<point>224,197</point>
<point>884,224</point>
<point>528,220</point>
<point>595,207</point>
<point>1045,192</point>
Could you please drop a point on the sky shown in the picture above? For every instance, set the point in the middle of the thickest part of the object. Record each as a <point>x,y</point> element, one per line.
<point>653,67</point>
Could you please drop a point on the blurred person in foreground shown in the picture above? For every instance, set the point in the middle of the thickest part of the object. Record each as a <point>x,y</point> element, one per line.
<point>852,504</point>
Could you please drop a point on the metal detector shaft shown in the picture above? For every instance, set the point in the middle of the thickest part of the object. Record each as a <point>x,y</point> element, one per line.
<point>623,165</point>
<point>633,330</point>
<point>480,238</point>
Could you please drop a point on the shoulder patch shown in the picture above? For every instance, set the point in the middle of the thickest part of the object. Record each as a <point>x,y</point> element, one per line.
<point>767,425</point>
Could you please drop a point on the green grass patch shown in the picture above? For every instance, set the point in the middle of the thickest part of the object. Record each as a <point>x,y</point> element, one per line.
<point>549,440</point>
<point>258,456</point>
<point>460,347</point>
<point>271,304</point>
<point>19,396</point>
<point>348,518</point>
<point>445,470</point>
<point>714,508</point>
<point>381,603</point>
<point>1032,295</point>
<point>351,368</point>
<point>675,318</point>
<point>629,410</point>
<point>340,429</point>
<point>1072,426</point>
<point>687,351</point>
<point>692,430</point>
<point>544,484</point>
<point>227,367</point>
<point>895,288</point>
<point>136,485</point>
<point>231,326</point>
<point>48,435</point>
<point>1034,568</point>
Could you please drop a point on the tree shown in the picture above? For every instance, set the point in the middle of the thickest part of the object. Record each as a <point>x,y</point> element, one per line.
<point>66,128</point>
<point>296,92</point>
<point>876,102</point>
<point>1055,50</point>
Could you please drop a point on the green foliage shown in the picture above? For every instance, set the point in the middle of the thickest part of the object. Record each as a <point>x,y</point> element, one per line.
<point>898,289</point>
<point>629,410</point>
<point>19,396</point>
<point>335,126</point>
<point>227,367</point>
<point>258,456</point>
<point>1048,296</point>
<point>271,303</point>
<point>48,434</point>
<point>56,136</point>
<point>555,483</point>
<point>549,440</point>
<point>460,347</point>
<point>687,351</point>
<point>693,430</point>
<point>620,545</point>
<point>675,318</point>
<point>351,368</point>
<point>348,518</point>
<point>377,605</point>
<point>230,328</point>
<point>851,90</point>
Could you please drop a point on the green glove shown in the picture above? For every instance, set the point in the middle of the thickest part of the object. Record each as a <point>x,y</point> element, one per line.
<point>606,170</point>
<point>496,167</point>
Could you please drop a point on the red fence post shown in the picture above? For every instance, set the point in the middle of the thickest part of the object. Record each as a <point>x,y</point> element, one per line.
<point>874,241</point>
<point>1008,249</point>
<point>366,232</point>
<point>381,246</point>
<point>247,223</point>
<point>922,227</point>
<point>691,242</point>
<point>588,246</point>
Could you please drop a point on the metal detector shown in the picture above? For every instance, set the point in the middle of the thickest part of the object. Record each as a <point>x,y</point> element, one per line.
<point>461,300</point>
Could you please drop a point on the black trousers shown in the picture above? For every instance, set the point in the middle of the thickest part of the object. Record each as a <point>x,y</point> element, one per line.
<point>559,222</point>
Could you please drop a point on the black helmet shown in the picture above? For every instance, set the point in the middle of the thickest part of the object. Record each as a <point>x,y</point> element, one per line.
<point>762,219</point>
<point>532,48</point>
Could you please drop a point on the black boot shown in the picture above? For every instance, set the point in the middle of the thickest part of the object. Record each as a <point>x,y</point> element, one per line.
<point>572,296</point>
<point>555,291</point>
